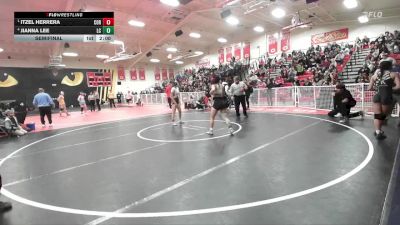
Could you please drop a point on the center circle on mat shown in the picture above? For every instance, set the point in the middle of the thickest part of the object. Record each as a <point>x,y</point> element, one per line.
<point>105,214</point>
<point>141,136</point>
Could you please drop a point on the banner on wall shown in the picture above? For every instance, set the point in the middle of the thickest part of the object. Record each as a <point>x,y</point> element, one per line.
<point>229,54</point>
<point>285,41</point>
<point>238,51</point>
<point>121,73</point>
<point>272,44</point>
<point>330,36</point>
<point>164,74</point>
<point>221,55</point>
<point>246,50</point>
<point>157,73</point>
<point>171,74</point>
<point>142,74</point>
<point>203,63</point>
<point>133,73</point>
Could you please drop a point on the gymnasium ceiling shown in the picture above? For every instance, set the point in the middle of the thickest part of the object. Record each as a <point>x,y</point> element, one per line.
<point>161,22</point>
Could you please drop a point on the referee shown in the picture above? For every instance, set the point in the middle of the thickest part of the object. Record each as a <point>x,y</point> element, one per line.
<point>238,89</point>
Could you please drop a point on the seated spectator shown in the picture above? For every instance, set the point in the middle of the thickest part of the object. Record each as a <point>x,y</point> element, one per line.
<point>129,97</point>
<point>308,82</point>
<point>11,124</point>
<point>340,57</point>
<point>139,102</point>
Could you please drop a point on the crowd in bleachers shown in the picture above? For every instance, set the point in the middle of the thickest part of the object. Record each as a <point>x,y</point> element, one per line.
<point>318,65</point>
<point>386,46</point>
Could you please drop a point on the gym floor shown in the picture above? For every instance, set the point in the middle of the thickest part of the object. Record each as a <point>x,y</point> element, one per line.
<point>277,169</point>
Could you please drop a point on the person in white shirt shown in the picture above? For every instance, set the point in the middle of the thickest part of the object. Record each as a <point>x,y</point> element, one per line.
<point>129,97</point>
<point>176,103</point>
<point>82,102</point>
<point>238,89</point>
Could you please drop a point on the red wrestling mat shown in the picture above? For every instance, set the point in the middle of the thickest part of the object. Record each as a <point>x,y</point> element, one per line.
<point>105,115</point>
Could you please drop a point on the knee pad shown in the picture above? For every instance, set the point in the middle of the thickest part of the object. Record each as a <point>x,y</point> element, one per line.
<point>380,116</point>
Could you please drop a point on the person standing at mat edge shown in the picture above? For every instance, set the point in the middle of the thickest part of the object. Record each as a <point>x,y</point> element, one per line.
<point>168,93</point>
<point>44,102</point>
<point>220,104</point>
<point>384,82</point>
<point>97,97</point>
<point>176,103</point>
<point>111,97</point>
<point>238,89</point>
<point>61,104</point>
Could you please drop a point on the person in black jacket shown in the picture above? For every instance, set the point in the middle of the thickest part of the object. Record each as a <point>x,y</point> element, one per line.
<point>343,101</point>
<point>4,206</point>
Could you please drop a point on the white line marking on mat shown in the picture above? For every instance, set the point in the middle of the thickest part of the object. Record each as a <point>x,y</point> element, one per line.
<point>323,186</point>
<point>197,176</point>
<point>80,166</point>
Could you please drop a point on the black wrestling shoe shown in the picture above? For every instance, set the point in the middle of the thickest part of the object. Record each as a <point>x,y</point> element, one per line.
<point>5,206</point>
<point>380,136</point>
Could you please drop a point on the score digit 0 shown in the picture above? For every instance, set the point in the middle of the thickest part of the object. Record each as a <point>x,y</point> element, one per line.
<point>108,21</point>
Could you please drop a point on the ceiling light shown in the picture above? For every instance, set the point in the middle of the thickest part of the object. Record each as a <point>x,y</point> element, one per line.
<point>1,50</point>
<point>276,35</point>
<point>117,42</point>
<point>154,60</point>
<point>198,52</point>
<point>195,35</point>
<point>350,4</point>
<point>363,19</point>
<point>232,20</point>
<point>136,23</point>
<point>101,56</point>
<point>179,62</point>
<point>259,29</point>
<point>173,3</point>
<point>232,2</point>
<point>222,40</point>
<point>172,49</point>
<point>278,13</point>
<point>70,54</point>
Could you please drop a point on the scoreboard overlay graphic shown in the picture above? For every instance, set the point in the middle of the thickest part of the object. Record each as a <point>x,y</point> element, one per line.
<point>64,26</point>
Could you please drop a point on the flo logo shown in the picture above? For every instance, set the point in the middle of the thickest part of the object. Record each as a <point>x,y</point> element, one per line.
<point>374,14</point>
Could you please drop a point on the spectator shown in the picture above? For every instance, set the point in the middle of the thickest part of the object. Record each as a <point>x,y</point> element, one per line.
<point>82,102</point>
<point>111,97</point>
<point>92,101</point>
<point>12,125</point>
<point>61,104</point>
<point>97,97</point>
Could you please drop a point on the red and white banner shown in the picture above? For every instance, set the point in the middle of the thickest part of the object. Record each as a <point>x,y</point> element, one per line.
<point>142,74</point>
<point>272,44</point>
<point>133,73</point>
<point>164,73</point>
<point>121,73</point>
<point>238,52</point>
<point>203,63</point>
<point>171,74</point>
<point>246,50</point>
<point>157,73</point>
<point>330,36</point>
<point>221,55</point>
<point>228,54</point>
<point>285,41</point>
